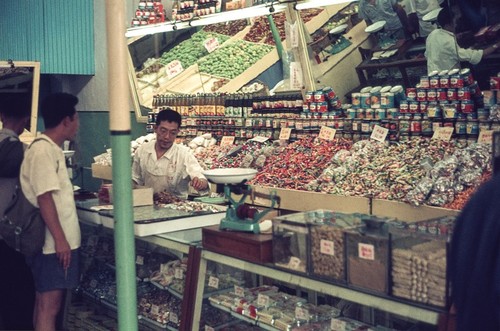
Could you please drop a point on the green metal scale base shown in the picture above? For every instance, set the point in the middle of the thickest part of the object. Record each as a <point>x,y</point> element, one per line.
<point>237,217</point>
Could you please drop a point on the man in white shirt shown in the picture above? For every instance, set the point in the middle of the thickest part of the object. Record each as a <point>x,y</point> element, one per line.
<point>45,183</point>
<point>164,165</point>
<point>442,51</point>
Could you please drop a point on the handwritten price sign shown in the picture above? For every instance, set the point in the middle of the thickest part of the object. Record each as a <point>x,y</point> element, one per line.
<point>211,44</point>
<point>327,133</point>
<point>485,137</point>
<point>285,133</point>
<point>227,141</point>
<point>174,68</point>
<point>443,133</point>
<point>379,133</point>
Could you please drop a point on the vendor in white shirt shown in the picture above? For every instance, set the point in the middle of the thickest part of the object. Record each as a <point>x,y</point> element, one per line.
<point>442,51</point>
<point>164,165</point>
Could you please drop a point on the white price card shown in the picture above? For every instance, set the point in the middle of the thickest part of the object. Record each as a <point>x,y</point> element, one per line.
<point>211,44</point>
<point>285,133</point>
<point>327,133</point>
<point>296,80</point>
<point>263,300</point>
<point>485,137</point>
<point>294,263</point>
<point>173,68</point>
<point>139,260</point>
<point>163,268</point>
<point>260,139</point>
<point>209,328</point>
<point>155,309</point>
<point>337,325</point>
<point>366,251</point>
<point>443,133</point>
<point>379,133</point>
<point>172,317</point>
<point>213,282</point>
<point>227,141</point>
<point>301,314</point>
<point>327,247</point>
<point>293,31</point>
<point>179,273</point>
<point>239,291</point>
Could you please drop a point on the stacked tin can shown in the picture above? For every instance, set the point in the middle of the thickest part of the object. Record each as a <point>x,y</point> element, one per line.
<point>492,103</point>
<point>447,98</point>
<point>375,106</point>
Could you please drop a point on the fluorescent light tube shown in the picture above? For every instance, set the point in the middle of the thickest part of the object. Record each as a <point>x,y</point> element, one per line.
<point>319,3</point>
<point>155,28</point>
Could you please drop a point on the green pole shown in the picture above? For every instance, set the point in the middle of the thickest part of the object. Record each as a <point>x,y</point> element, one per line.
<point>119,114</point>
<point>276,36</point>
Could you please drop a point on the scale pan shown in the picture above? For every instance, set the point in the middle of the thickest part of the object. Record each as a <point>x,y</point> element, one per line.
<point>229,175</point>
<point>375,27</point>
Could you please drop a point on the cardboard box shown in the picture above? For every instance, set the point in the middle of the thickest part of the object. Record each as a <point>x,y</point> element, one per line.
<point>101,171</point>
<point>141,196</point>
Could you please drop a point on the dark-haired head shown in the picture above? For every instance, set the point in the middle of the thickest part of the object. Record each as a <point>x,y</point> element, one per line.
<point>445,17</point>
<point>56,107</point>
<point>168,115</point>
<point>16,106</point>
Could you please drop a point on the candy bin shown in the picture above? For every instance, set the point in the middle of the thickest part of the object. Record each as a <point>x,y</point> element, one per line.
<point>418,267</point>
<point>327,244</point>
<point>367,249</point>
<point>290,241</point>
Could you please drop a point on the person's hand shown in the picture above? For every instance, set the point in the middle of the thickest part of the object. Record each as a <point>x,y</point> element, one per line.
<point>63,252</point>
<point>199,184</point>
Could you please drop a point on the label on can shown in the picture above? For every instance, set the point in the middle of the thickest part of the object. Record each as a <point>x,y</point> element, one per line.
<point>356,100</point>
<point>444,81</point>
<point>472,127</point>
<point>329,92</point>
<point>451,94</point>
<point>369,114</point>
<point>422,107</point>
<point>467,106</point>
<point>380,114</point>
<point>411,93</point>
<point>413,106</point>
<point>450,111</point>
<point>404,126</point>
<point>463,93</point>
<point>392,113</point>
<point>387,100</point>
<point>319,96</point>
<point>467,76</point>
<point>460,127</point>
<point>494,83</point>
<point>456,81</point>
<point>365,100</point>
<point>416,126</point>
<point>424,82</point>
<point>421,94</point>
<point>441,94</point>
<point>403,107</point>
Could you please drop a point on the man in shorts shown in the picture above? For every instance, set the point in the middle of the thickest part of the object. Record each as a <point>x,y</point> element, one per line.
<point>46,184</point>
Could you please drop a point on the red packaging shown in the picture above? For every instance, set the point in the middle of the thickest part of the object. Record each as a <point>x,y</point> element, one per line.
<point>411,93</point>
<point>451,94</point>
<point>463,93</point>
<point>494,83</point>
<point>467,106</point>
<point>431,94</point>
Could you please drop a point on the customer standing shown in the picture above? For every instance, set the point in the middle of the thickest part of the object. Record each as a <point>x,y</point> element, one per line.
<point>474,265</point>
<point>443,52</point>
<point>46,184</point>
<point>17,293</point>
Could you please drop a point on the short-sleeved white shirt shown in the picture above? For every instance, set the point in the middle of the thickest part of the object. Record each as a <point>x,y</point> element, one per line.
<point>172,172</point>
<point>443,53</point>
<point>44,170</point>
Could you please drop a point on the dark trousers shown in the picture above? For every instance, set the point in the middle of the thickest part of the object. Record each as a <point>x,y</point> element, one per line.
<point>17,290</point>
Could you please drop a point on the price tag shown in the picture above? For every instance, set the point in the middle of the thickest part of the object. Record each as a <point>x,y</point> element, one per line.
<point>485,137</point>
<point>294,263</point>
<point>179,273</point>
<point>139,260</point>
<point>209,328</point>
<point>93,283</point>
<point>260,139</point>
<point>443,133</point>
<point>337,325</point>
<point>379,133</point>
<point>227,141</point>
<point>155,309</point>
<point>327,133</point>
<point>327,247</point>
<point>172,317</point>
<point>296,81</point>
<point>366,251</point>
<point>173,68</point>
<point>301,314</point>
<point>263,300</point>
<point>285,133</point>
<point>211,44</point>
<point>213,282</point>
<point>163,268</point>
<point>239,291</point>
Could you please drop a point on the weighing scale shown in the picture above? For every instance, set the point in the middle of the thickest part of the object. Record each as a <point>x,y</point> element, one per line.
<point>385,39</point>
<point>239,216</point>
<point>338,41</point>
